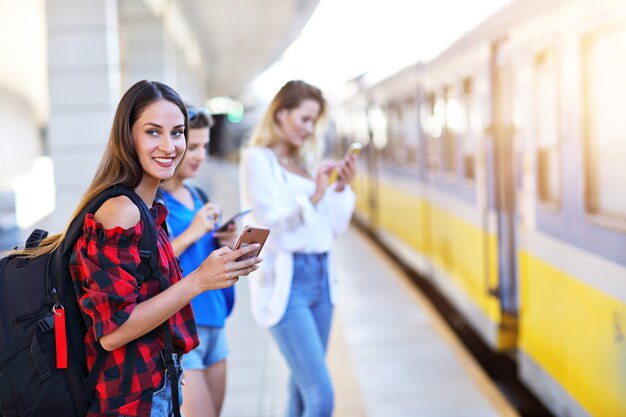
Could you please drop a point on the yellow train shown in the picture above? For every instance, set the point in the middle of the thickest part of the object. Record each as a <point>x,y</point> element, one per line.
<point>498,171</point>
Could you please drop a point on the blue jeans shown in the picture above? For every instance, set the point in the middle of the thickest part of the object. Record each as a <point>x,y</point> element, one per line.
<point>302,335</point>
<point>162,397</point>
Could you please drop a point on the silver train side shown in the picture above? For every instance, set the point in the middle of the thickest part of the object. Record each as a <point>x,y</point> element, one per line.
<point>497,170</point>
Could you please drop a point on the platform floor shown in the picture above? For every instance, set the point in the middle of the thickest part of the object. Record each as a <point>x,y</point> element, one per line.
<point>390,354</point>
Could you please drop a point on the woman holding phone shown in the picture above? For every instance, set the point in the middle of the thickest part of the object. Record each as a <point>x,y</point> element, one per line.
<point>287,184</point>
<point>192,222</point>
<point>138,323</point>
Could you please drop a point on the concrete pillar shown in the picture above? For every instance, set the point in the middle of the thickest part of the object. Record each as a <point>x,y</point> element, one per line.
<point>23,110</point>
<point>153,47</point>
<point>189,82</point>
<point>84,83</point>
<point>146,51</point>
<point>21,145</point>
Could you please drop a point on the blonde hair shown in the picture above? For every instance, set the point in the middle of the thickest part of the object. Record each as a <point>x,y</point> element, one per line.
<point>119,164</point>
<point>268,133</point>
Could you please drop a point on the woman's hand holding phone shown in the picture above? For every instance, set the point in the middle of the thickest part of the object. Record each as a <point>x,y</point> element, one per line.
<point>203,222</point>
<point>223,267</point>
<point>322,182</point>
<point>233,220</point>
<point>251,235</point>
<point>345,169</point>
<point>227,234</point>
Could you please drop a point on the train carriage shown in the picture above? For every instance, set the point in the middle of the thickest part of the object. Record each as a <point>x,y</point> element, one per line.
<point>496,171</point>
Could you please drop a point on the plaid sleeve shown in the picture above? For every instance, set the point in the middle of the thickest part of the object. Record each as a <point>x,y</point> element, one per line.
<point>106,261</point>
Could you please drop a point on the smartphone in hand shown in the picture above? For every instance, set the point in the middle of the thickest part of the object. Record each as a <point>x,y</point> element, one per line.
<point>250,235</point>
<point>233,219</point>
<point>354,149</point>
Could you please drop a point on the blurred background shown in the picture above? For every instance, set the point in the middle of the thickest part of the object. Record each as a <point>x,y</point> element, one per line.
<point>66,64</point>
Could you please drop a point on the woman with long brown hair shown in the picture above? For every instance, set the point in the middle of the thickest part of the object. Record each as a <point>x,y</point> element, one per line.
<point>128,316</point>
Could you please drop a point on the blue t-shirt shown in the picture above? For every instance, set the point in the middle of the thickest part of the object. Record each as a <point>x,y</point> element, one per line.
<point>211,307</point>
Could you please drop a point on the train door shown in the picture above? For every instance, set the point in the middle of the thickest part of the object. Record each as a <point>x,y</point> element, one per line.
<point>423,113</point>
<point>503,180</point>
<point>357,125</point>
<point>373,157</point>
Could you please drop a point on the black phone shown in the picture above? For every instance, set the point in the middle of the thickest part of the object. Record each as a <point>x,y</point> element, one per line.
<point>233,219</point>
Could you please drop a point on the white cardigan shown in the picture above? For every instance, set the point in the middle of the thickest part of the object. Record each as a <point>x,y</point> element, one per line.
<point>291,220</point>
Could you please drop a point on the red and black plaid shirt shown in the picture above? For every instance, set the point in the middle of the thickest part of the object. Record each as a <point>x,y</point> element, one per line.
<point>104,262</point>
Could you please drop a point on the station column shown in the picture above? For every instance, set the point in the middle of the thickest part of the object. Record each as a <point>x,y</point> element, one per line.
<point>84,83</point>
<point>146,51</point>
<point>157,44</point>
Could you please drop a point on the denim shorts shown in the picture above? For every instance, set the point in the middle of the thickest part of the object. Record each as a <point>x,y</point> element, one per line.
<point>162,397</point>
<point>212,348</point>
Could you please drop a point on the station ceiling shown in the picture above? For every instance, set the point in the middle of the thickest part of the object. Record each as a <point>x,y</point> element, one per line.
<point>241,38</point>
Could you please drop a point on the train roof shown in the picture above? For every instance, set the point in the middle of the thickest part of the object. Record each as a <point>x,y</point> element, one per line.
<point>496,26</point>
<point>491,29</point>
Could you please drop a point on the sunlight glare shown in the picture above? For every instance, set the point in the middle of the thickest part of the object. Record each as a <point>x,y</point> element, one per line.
<point>346,38</point>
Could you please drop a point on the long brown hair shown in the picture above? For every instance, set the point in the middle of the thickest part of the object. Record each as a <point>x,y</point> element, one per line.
<point>290,96</point>
<point>119,164</point>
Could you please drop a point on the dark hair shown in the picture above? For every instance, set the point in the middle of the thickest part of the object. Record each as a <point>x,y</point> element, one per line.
<point>120,163</point>
<point>199,117</point>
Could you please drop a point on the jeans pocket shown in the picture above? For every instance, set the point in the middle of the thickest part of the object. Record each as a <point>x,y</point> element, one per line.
<point>162,386</point>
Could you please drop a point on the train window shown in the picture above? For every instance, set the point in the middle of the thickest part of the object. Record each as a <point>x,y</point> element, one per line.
<point>359,129</point>
<point>432,118</point>
<point>394,151</point>
<point>454,124</point>
<point>410,129</point>
<point>344,130</point>
<point>378,125</point>
<point>402,123</point>
<point>546,127</point>
<point>473,124</point>
<point>605,129</point>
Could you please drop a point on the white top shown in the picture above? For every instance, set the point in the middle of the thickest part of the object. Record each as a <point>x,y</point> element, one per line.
<point>280,201</point>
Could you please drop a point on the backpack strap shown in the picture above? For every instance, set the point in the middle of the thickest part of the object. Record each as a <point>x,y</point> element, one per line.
<point>35,238</point>
<point>168,356</point>
<point>160,198</point>
<point>148,264</point>
<point>148,238</point>
<point>200,192</point>
<point>168,352</point>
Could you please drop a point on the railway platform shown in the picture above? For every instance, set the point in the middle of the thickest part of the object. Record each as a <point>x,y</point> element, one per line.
<point>390,353</point>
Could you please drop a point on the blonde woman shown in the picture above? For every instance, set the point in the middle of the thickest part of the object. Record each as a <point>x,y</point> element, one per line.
<point>287,185</point>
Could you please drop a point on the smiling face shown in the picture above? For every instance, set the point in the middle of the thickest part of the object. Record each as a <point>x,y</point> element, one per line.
<point>298,124</point>
<point>197,145</point>
<point>159,139</point>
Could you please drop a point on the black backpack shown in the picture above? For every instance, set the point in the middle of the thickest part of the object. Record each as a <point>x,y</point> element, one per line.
<point>31,290</point>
